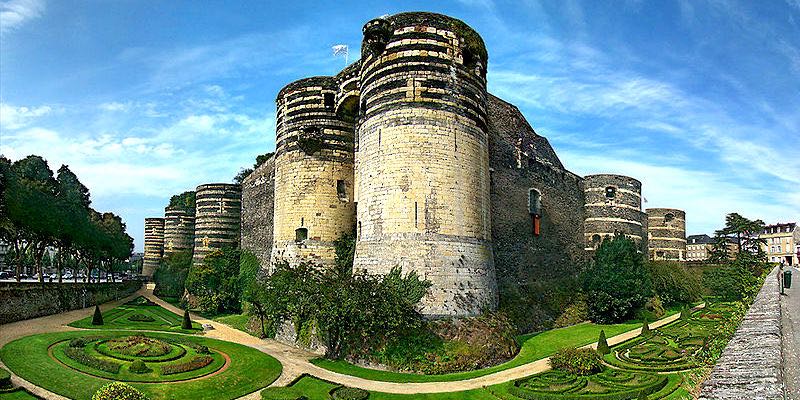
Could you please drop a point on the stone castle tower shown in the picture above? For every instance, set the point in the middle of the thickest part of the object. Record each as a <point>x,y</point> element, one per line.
<point>218,208</point>
<point>666,232</point>
<point>153,245</point>
<point>313,172</point>
<point>613,205</point>
<point>178,230</point>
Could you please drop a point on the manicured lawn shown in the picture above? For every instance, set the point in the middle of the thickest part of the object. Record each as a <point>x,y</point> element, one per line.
<point>249,370</point>
<point>124,317</point>
<point>18,394</point>
<point>317,389</point>
<point>236,321</point>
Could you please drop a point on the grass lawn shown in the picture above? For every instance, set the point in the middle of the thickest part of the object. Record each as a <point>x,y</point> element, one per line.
<point>236,321</point>
<point>18,394</point>
<point>249,370</point>
<point>156,318</point>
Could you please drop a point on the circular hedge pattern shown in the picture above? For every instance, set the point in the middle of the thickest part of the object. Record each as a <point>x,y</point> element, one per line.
<point>138,358</point>
<point>609,384</point>
<point>76,364</point>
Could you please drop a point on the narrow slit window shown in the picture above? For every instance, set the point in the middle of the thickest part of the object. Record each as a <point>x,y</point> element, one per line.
<point>341,190</point>
<point>328,97</point>
<point>300,234</point>
<point>535,210</point>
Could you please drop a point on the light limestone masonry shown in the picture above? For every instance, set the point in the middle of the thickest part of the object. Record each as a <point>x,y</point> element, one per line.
<point>153,245</point>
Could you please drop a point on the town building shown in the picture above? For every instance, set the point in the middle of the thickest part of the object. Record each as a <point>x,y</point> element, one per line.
<point>782,243</point>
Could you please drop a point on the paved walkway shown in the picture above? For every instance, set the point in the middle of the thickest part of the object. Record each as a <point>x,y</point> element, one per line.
<point>790,324</point>
<point>295,361</point>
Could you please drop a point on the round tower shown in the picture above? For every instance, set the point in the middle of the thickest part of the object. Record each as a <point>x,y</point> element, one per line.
<point>313,173</point>
<point>613,204</point>
<point>218,208</point>
<point>422,160</point>
<point>666,231</point>
<point>153,245</point>
<point>178,230</point>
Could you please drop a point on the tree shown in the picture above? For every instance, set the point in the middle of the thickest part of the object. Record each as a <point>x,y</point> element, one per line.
<point>97,318</point>
<point>187,321</point>
<point>617,283</point>
<point>170,276</point>
<point>185,200</point>
<point>215,283</point>
<point>245,172</point>
<point>602,344</point>
<point>744,229</point>
<point>645,329</point>
<point>719,253</point>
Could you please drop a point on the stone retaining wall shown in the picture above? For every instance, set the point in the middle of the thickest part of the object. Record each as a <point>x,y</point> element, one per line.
<point>20,301</point>
<point>751,365</point>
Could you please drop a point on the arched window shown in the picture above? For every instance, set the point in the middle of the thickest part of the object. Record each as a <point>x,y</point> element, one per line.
<point>300,234</point>
<point>341,190</point>
<point>611,192</point>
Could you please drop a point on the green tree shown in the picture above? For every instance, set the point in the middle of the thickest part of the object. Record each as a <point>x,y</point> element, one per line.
<point>215,283</point>
<point>742,228</point>
<point>719,253</point>
<point>602,344</point>
<point>245,172</point>
<point>616,284</point>
<point>185,200</point>
<point>170,276</point>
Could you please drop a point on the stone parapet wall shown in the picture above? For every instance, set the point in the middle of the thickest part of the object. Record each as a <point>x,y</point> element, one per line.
<point>21,301</point>
<point>751,367</point>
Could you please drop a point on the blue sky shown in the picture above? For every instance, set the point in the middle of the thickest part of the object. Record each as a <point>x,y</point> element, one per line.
<point>700,100</point>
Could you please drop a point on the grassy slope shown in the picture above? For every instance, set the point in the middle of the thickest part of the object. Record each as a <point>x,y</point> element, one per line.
<point>18,394</point>
<point>250,370</point>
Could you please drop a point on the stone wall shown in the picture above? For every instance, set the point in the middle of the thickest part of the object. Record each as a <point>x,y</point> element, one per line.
<point>751,366</point>
<point>257,210</point>
<point>153,245</point>
<point>20,301</point>
<point>530,268</point>
<point>422,162</point>
<point>666,234</point>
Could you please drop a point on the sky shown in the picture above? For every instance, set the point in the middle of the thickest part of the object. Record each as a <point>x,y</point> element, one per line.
<point>698,99</point>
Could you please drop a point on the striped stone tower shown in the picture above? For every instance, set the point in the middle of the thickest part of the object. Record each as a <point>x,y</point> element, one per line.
<point>422,160</point>
<point>613,204</point>
<point>178,230</point>
<point>153,245</point>
<point>218,208</point>
<point>666,231</point>
<point>313,173</point>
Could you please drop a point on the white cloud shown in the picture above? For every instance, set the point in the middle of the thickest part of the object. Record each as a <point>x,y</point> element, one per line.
<point>14,13</point>
<point>13,117</point>
<point>114,106</point>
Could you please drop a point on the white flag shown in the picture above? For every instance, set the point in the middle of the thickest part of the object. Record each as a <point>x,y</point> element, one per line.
<point>341,49</point>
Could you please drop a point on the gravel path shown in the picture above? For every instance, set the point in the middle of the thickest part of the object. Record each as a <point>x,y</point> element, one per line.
<point>295,361</point>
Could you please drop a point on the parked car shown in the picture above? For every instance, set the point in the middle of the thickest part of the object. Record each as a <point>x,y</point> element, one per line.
<point>67,275</point>
<point>6,275</point>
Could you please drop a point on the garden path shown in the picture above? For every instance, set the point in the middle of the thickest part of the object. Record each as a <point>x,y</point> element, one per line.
<point>295,361</point>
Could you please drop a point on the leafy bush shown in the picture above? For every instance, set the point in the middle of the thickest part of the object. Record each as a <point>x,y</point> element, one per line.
<point>602,344</point>
<point>575,313</point>
<point>282,393</point>
<point>673,283</point>
<point>187,321</point>
<point>576,361</point>
<point>731,282</point>
<point>141,301</point>
<point>170,276</point>
<point>349,393</point>
<point>686,314</point>
<point>653,309</point>
<point>215,283</point>
<point>141,318</point>
<point>82,357</point>
<point>5,379</point>
<point>97,318</point>
<point>79,342</point>
<point>139,367</point>
<point>118,391</point>
<point>195,363</point>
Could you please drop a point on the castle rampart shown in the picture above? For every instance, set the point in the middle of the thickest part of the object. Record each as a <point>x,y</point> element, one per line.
<point>257,211</point>
<point>153,245</point>
<point>422,164</point>
<point>666,232</point>
<point>218,209</point>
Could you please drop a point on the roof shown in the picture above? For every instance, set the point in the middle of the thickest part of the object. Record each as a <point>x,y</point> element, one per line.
<point>699,239</point>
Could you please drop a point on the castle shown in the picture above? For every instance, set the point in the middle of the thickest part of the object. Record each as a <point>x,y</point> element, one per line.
<point>434,174</point>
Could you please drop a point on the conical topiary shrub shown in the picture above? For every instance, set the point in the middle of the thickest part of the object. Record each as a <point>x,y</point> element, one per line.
<point>187,322</point>
<point>602,344</point>
<point>97,318</point>
<point>685,314</point>
<point>646,329</point>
